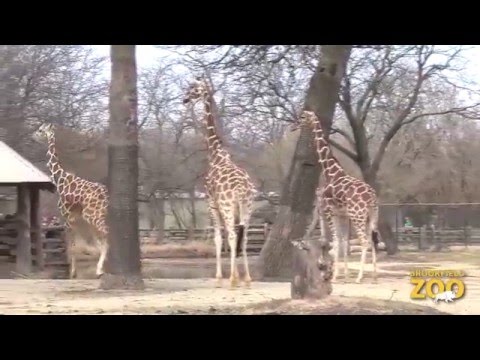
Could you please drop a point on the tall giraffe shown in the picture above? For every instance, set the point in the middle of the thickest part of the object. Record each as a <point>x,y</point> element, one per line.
<point>78,199</point>
<point>342,195</point>
<point>229,188</point>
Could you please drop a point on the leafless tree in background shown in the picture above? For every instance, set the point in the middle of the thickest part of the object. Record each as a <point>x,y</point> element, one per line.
<point>390,87</point>
<point>49,83</point>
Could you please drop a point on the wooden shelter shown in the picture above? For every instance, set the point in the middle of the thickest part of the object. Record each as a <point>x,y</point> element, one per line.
<point>16,171</point>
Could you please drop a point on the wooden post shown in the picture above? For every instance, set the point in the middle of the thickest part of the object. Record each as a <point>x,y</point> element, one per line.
<point>36,233</point>
<point>24,244</point>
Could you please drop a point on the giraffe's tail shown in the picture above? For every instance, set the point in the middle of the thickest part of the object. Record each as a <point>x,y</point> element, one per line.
<point>376,237</point>
<point>240,238</point>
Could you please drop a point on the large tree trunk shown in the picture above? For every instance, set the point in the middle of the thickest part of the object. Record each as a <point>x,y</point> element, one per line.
<point>296,203</point>
<point>123,268</point>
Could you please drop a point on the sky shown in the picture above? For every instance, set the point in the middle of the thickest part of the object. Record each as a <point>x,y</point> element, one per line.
<point>148,55</point>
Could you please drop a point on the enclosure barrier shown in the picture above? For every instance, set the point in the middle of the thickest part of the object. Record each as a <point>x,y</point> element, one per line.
<point>55,260</point>
<point>53,253</point>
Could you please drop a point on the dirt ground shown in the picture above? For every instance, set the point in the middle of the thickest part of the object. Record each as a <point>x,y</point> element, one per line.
<point>184,286</point>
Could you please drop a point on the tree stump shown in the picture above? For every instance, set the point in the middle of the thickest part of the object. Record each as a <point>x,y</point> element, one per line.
<point>312,270</point>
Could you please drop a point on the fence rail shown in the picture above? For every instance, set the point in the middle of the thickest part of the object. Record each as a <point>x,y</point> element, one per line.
<point>257,233</point>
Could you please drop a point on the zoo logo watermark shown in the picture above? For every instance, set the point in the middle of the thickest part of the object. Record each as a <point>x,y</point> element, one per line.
<point>430,283</point>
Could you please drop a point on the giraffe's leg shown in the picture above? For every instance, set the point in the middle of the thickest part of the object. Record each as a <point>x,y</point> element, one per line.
<point>70,235</point>
<point>328,214</point>
<point>103,246</point>
<point>71,252</point>
<point>229,220</point>
<point>245,213</point>
<point>99,231</point>
<point>359,225</point>
<point>217,237</point>
<point>342,240</point>
<point>374,261</point>
<point>373,226</point>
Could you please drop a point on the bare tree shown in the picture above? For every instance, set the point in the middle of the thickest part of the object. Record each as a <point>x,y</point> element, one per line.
<point>123,267</point>
<point>48,83</point>
<point>390,87</point>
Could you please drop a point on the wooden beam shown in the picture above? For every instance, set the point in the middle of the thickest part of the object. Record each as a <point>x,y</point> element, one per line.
<point>36,223</point>
<point>24,244</point>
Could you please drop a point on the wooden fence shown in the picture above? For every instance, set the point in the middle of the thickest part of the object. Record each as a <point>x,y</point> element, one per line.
<point>425,236</point>
<point>257,233</point>
<point>53,248</point>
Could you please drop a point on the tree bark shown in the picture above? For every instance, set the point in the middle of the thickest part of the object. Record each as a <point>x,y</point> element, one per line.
<point>123,267</point>
<point>298,195</point>
<point>388,236</point>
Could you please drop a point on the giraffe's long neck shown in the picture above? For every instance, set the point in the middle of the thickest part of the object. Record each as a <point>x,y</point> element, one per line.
<point>331,168</point>
<point>214,142</point>
<point>56,170</point>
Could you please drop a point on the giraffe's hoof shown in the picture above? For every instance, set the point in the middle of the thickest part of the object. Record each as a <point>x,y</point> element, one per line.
<point>248,282</point>
<point>218,281</point>
<point>357,281</point>
<point>233,282</point>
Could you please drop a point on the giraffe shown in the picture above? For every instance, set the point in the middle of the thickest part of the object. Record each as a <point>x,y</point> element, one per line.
<point>230,191</point>
<point>342,195</point>
<point>79,199</point>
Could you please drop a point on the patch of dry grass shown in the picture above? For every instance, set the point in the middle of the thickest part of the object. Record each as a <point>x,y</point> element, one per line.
<point>470,256</point>
<point>191,249</point>
<point>338,305</point>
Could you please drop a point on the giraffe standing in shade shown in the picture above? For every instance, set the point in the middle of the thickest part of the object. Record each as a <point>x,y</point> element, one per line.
<point>78,199</point>
<point>229,188</point>
<point>342,195</point>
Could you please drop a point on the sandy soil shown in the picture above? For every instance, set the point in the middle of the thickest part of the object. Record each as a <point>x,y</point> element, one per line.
<point>174,296</point>
<point>391,295</point>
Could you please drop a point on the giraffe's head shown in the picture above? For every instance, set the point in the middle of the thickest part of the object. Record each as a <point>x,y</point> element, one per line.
<point>45,131</point>
<point>196,90</point>
<point>307,118</point>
